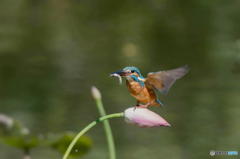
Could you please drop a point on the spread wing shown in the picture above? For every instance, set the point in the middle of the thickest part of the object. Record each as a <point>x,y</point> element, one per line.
<point>163,80</point>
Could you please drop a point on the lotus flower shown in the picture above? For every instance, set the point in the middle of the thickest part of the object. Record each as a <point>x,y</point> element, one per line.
<point>144,117</point>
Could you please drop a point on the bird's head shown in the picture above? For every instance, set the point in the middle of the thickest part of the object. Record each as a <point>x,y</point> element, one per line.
<point>131,73</point>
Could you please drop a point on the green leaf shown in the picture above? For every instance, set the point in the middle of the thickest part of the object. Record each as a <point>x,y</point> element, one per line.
<point>22,142</point>
<point>81,148</point>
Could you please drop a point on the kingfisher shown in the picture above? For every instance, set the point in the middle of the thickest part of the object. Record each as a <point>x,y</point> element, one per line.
<point>145,89</point>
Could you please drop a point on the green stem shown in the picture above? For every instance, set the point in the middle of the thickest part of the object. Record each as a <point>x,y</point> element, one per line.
<point>26,153</point>
<point>108,131</point>
<point>88,127</point>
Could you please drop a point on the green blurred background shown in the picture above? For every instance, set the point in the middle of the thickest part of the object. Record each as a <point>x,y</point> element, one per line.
<point>53,51</point>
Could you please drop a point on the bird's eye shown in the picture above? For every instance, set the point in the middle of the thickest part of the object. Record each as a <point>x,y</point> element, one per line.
<point>132,71</point>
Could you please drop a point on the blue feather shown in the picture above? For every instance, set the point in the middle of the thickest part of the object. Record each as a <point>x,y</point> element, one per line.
<point>158,101</point>
<point>132,68</point>
<point>135,78</point>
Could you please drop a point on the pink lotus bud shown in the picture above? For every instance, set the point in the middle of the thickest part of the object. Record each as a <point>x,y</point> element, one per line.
<point>143,117</point>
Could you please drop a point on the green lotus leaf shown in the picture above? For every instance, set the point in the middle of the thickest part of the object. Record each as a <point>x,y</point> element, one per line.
<point>62,142</point>
<point>22,142</point>
<point>11,127</point>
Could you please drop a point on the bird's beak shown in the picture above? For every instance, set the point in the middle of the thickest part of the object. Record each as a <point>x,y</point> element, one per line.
<point>120,73</point>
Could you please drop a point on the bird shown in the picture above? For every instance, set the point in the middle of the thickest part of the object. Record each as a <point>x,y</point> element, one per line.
<point>145,89</point>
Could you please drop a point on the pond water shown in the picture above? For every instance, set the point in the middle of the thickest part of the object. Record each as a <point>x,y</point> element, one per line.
<point>52,52</point>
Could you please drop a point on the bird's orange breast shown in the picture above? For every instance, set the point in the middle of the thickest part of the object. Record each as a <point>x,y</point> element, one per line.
<point>141,93</point>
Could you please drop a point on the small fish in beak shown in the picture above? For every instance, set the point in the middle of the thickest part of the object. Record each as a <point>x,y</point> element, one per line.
<point>118,76</point>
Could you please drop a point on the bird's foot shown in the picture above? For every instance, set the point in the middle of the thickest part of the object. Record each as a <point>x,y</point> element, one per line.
<point>143,106</point>
<point>140,106</point>
<point>135,107</point>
